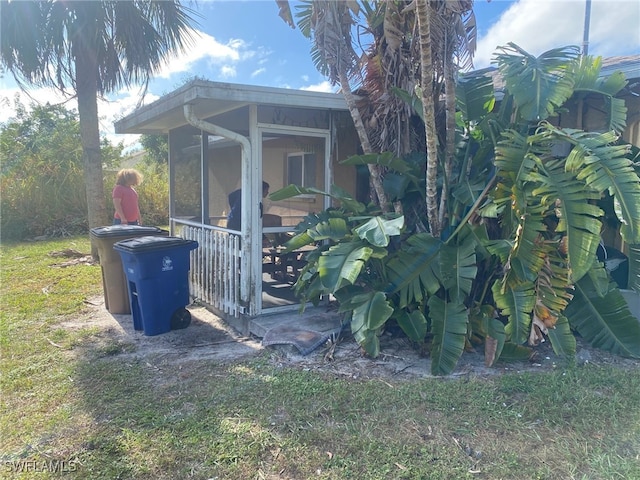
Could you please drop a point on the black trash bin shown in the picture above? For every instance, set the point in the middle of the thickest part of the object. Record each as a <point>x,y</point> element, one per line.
<point>114,282</point>
<point>157,271</point>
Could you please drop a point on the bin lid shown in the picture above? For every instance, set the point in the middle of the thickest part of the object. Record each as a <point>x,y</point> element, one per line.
<point>150,243</point>
<point>125,231</point>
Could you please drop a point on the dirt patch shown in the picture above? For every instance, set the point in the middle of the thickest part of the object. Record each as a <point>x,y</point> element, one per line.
<point>208,338</point>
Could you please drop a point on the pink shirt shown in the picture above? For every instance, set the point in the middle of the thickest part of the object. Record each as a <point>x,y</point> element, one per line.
<point>129,201</point>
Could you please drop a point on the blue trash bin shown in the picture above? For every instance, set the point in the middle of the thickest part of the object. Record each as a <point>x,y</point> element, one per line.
<point>157,271</point>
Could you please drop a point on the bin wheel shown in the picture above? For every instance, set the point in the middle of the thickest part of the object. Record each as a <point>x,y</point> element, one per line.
<point>180,319</point>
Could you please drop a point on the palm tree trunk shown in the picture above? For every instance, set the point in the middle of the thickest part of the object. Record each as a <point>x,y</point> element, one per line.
<point>374,170</point>
<point>450,102</point>
<point>86,90</point>
<point>424,26</point>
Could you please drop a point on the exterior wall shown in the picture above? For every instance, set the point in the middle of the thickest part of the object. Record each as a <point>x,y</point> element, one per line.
<point>224,177</point>
<point>225,174</point>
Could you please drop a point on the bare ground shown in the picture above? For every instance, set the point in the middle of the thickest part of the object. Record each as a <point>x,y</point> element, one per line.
<point>209,339</point>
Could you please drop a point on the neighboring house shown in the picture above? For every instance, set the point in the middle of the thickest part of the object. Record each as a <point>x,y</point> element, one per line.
<point>227,136</point>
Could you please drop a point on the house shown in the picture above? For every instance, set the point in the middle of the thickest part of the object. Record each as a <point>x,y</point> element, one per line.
<point>224,137</point>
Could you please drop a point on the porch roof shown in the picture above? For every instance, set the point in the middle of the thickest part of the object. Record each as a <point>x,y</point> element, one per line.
<point>211,98</point>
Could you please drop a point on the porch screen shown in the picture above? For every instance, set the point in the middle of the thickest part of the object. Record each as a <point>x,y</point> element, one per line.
<point>185,179</point>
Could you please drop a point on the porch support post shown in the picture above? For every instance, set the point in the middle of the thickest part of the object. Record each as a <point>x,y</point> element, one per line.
<point>245,244</point>
<point>251,212</point>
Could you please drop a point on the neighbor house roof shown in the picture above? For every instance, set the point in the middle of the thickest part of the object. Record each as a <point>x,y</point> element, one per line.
<point>628,65</point>
<point>212,98</point>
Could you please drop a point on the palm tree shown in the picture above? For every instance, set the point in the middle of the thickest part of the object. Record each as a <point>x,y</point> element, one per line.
<point>329,24</point>
<point>447,36</point>
<point>90,48</point>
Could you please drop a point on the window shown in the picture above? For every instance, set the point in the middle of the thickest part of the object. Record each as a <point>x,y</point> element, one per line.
<point>301,169</point>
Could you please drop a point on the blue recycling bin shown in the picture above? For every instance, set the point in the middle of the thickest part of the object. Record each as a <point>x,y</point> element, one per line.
<point>157,271</point>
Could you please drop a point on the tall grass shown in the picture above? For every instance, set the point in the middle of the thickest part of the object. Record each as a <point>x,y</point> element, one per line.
<point>48,198</point>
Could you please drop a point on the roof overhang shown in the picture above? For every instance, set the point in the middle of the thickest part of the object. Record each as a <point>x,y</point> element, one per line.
<point>212,98</point>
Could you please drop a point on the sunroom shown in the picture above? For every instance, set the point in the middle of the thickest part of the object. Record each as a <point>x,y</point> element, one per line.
<point>229,137</point>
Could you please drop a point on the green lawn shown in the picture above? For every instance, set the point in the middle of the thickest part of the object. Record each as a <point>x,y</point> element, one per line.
<point>83,410</point>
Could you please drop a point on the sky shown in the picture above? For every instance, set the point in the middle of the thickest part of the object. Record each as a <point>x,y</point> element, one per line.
<point>246,42</point>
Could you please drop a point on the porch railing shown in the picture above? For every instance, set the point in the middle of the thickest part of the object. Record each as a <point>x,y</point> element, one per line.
<point>215,268</point>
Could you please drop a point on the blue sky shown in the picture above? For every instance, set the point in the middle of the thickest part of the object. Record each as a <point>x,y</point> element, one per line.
<point>245,41</point>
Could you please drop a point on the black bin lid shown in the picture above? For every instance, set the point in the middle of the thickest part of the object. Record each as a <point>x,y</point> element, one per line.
<point>149,243</point>
<point>125,231</point>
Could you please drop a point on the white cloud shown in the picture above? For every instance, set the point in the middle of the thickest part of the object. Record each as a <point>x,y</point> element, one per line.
<point>324,86</point>
<point>207,48</point>
<point>123,103</point>
<point>540,25</point>
<point>228,71</point>
<point>257,72</point>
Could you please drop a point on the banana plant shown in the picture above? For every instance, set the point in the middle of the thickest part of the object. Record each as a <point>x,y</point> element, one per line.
<point>516,265</point>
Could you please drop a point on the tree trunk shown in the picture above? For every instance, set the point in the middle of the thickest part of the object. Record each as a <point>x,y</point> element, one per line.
<point>450,102</point>
<point>86,90</point>
<point>423,10</point>
<point>374,170</point>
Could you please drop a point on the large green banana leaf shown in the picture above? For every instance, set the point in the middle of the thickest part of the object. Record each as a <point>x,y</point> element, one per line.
<point>336,193</point>
<point>369,312</point>
<point>415,271</point>
<point>539,85</point>
<point>605,322</point>
<point>515,302</point>
<point>342,263</point>
<point>495,340</point>
<point>516,157</point>
<point>475,95</point>
<point>603,166</point>
<point>634,267</point>
<point>315,229</point>
<point>579,220</point>
<point>562,338</point>
<point>449,327</point>
<point>385,159</point>
<point>458,269</point>
<point>528,255</point>
<point>413,323</point>
<point>378,230</point>
<point>589,81</point>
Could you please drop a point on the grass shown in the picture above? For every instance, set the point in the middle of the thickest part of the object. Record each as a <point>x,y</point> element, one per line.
<point>101,415</point>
